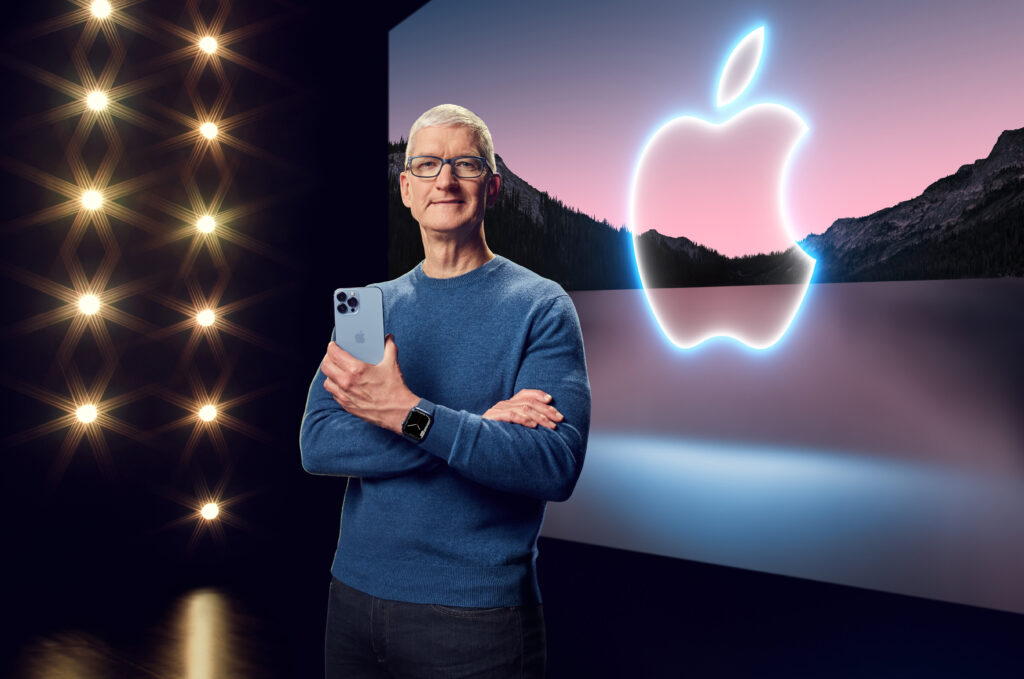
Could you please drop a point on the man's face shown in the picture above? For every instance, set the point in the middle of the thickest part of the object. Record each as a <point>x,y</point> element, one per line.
<point>447,203</point>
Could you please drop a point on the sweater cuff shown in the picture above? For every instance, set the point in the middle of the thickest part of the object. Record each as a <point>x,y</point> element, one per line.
<point>443,431</point>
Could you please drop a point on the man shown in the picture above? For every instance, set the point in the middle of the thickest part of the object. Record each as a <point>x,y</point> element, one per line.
<point>453,456</point>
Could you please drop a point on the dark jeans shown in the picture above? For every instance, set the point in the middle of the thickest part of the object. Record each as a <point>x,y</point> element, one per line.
<point>371,637</point>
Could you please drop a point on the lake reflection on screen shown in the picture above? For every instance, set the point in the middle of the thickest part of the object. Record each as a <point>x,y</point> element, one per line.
<point>880,444</point>
<point>756,315</point>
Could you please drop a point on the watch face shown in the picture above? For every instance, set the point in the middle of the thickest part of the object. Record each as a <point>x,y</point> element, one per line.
<point>416,424</point>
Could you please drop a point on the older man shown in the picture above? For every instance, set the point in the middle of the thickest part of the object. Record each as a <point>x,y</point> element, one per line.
<point>453,457</point>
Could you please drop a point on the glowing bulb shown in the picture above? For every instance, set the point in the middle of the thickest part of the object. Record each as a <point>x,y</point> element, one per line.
<point>208,130</point>
<point>206,223</point>
<point>97,101</point>
<point>205,319</point>
<point>207,413</point>
<point>210,511</point>
<point>86,413</point>
<point>208,45</point>
<point>100,9</point>
<point>92,200</point>
<point>89,304</point>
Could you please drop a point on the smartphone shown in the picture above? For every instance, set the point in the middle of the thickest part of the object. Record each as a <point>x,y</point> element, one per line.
<point>359,322</point>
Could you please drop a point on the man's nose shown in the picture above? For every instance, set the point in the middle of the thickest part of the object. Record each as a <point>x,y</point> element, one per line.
<point>446,178</point>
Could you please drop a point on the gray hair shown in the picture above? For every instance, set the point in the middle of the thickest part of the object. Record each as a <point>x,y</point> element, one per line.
<point>453,115</point>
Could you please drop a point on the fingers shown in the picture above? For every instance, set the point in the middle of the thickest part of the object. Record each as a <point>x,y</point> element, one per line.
<point>338,354</point>
<point>390,350</point>
<point>332,388</point>
<point>339,375</point>
<point>516,418</point>
<point>527,413</point>
<point>533,395</point>
<point>330,367</point>
<point>536,403</point>
<point>546,412</point>
<point>337,362</point>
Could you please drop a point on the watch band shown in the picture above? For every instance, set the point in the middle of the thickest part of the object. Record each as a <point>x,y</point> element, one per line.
<point>418,421</point>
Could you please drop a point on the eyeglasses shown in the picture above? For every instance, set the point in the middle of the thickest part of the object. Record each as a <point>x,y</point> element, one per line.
<point>464,167</point>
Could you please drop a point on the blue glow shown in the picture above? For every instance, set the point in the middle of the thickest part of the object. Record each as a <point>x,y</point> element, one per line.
<point>784,215</point>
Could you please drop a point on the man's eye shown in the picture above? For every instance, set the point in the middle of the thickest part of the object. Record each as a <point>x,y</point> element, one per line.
<point>427,163</point>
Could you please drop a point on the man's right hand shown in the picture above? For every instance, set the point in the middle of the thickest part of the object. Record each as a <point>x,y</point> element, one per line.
<point>529,407</point>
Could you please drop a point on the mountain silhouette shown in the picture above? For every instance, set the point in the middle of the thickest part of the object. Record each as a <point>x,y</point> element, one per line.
<point>970,224</point>
<point>967,225</point>
<point>529,227</point>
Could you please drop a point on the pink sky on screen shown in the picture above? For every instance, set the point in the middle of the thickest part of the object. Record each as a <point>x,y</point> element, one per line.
<point>895,95</point>
<point>719,185</point>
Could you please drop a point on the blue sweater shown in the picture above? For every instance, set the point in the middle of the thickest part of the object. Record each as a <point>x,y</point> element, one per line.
<point>454,520</point>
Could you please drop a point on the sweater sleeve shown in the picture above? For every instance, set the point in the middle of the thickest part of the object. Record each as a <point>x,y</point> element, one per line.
<point>335,442</point>
<point>541,463</point>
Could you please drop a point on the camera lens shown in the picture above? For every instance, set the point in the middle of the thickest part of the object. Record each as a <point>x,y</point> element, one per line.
<point>341,296</point>
<point>342,309</point>
<point>353,302</point>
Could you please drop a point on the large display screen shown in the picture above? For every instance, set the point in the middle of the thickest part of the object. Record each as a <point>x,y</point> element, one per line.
<point>794,236</point>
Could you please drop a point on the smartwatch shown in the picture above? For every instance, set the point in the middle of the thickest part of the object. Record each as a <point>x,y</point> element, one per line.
<point>418,421</point>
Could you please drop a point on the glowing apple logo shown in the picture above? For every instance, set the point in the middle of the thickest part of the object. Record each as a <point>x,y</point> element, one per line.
<point>721,185</point>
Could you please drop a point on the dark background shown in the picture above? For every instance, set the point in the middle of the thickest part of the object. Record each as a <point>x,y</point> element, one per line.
<point>108,557</point>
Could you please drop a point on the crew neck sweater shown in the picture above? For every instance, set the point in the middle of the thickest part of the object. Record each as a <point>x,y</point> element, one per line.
<point>454,519</point>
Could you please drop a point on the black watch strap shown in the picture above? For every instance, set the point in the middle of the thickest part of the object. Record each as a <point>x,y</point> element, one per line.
<point>418,421</point>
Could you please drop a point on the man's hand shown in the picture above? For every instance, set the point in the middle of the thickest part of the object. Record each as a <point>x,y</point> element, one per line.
<point>529,407</point>
<point>375,393</point>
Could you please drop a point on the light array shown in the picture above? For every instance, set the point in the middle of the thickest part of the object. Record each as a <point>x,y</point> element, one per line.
<point>102,201</point>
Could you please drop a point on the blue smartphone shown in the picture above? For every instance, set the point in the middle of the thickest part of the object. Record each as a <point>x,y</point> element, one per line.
<point>359,322</point>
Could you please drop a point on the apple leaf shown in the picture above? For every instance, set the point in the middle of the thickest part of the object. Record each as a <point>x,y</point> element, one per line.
<point>740,67</point>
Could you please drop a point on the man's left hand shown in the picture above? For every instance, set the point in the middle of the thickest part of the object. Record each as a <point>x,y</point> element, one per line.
<point>375,393</point>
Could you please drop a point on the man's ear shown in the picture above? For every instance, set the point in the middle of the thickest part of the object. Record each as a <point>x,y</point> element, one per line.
<point>493,188</point>
<point>403,182</point>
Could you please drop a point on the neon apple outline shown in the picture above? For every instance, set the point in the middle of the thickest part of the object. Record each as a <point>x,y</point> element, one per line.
<point>736,76</point>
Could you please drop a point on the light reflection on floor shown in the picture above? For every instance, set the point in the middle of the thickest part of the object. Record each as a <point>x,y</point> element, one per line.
<point>891,525</point>
<point>202,638</point>
<point>73,655</point>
